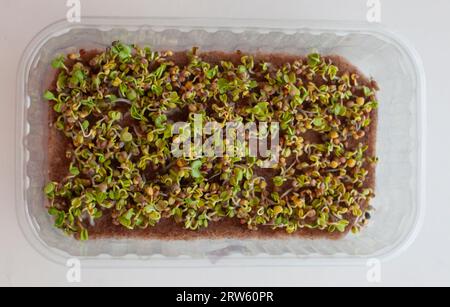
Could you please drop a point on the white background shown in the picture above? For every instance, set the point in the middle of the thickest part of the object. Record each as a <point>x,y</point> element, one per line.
<point>425,24</point>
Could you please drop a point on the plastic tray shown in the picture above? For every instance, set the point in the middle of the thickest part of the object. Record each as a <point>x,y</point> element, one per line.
<point>377,52</point>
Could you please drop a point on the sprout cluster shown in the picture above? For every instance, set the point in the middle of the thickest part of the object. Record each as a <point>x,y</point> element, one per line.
<point>118,107</point>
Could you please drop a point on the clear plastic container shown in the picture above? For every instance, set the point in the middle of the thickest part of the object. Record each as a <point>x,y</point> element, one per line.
<point>399,200</point>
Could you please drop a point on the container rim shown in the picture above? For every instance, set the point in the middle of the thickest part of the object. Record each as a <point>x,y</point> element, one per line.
<point>208,24</point>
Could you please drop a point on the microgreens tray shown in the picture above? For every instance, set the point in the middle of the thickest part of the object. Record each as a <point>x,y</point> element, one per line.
<point>375,51</point>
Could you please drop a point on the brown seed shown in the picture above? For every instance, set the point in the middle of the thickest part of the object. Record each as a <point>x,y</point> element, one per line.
<point>192,108</point>
<point>180,163</point>
<point>263,184</point>
<point>243,202</point>
<point>277,210</point>
<point>334,134</point>
<point>73,56</point>
<point>149,191</point>
<point>351,162</point>
<point>360,101</point>
<point>334,164</point>
<point>188,85</point>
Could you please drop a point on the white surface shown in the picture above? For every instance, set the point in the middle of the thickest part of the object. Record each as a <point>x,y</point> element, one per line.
<point>373,50</point>
<point>424,24</point>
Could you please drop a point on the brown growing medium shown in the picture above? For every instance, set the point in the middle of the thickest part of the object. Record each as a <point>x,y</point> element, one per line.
<point>167,228</point>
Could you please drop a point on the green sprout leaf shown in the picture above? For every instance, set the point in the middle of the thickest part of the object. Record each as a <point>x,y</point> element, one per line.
<point>77,77</point>
<point>58,62</point>
<point>59,222</point>
<point>74,170</point>
<point>341,225</point>
<point>85,124</point>
<point>367,91</point>
<point>115,115</point>
<point>136,113</point>
<point>123,51</point>
<point>278,180</point>
<point>314,59</point>
<point>211,73</point>
<point>339,109</point>
<point>223,85</point>
<point>49,96</point>
<point>195,169</point>
<point>260,110</point>
<point>157,89</point>
<point>131,94</point>
<point>318,122</point>
<point>160,120</point>
<point>84,236</point>
<point>125,219</point>
<point>53,211</point>
<point>126,136</point>
<point>160,70</point>
<point>49,188</point>
<point>332,71</point>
